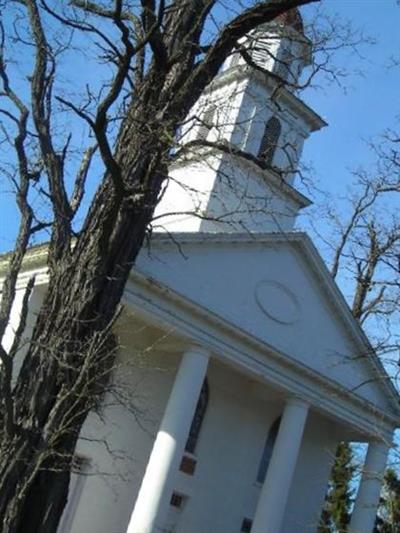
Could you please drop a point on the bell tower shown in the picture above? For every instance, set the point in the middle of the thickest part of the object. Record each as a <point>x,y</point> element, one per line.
<point>241,143</point>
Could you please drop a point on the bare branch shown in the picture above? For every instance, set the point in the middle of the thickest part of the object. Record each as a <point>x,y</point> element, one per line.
<point>41,86</point>
<point>80,180</point>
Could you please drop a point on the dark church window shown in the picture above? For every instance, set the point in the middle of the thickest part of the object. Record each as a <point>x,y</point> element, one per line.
<point>206,123</point>
<point>270,140</point>
<point>246,525</point>
<point>177,500</point>
<point>198,418</point>
<point>267,452</point>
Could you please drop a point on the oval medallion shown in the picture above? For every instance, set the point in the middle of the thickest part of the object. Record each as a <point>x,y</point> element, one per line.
<point>277,302</point>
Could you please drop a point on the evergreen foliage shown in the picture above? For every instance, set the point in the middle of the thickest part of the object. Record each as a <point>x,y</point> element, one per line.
<point>336,513</point>
<point>388,519</point>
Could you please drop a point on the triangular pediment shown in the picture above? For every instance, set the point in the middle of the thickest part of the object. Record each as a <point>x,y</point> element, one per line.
<point>277,289</point>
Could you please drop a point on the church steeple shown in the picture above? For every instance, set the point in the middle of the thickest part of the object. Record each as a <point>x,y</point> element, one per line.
<point>251,107</point>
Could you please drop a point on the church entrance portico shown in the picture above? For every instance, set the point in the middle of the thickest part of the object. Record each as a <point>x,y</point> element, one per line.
<point>160,478</point>
<point>163,478</point>
<point>267,427</point>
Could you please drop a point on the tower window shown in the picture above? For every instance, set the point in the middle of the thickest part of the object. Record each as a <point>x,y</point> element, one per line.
<point>207,123</point>
<point>198,418</point>
<point>267,452</point>
<point>269,142</point>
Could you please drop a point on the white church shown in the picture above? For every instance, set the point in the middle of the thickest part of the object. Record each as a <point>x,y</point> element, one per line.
<point>239,354</point>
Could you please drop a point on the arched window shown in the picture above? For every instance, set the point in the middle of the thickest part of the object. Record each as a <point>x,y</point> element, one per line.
<point>207,122</point>
<point>270,140</point>
<point>267,452</point>
<point>198,418</point>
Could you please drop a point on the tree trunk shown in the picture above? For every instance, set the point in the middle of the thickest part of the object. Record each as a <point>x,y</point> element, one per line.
<point>71,355</point>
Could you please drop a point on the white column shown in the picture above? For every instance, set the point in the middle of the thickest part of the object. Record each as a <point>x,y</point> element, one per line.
<point>366,504</point>
<point>275,491</point>
<point>157,485</point>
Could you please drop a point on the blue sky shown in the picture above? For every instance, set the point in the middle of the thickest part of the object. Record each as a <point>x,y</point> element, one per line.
<point>357,113</point>
<point>370,102</point>
<point>361,110</point>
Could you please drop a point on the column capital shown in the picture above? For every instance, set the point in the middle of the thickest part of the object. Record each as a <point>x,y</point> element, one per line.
<point>296,401</point>
<point>197,349</point>
<point>380,444</point>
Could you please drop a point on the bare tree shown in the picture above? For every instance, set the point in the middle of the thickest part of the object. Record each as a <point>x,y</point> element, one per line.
<point>366,253</point>
<point>364,248</point>
<point>154,59</point>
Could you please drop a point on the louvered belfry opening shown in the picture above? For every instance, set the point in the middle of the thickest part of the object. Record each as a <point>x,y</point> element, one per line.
<point>206,122</point>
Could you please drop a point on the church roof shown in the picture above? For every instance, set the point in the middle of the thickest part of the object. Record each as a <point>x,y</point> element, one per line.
<point>315,265</point>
